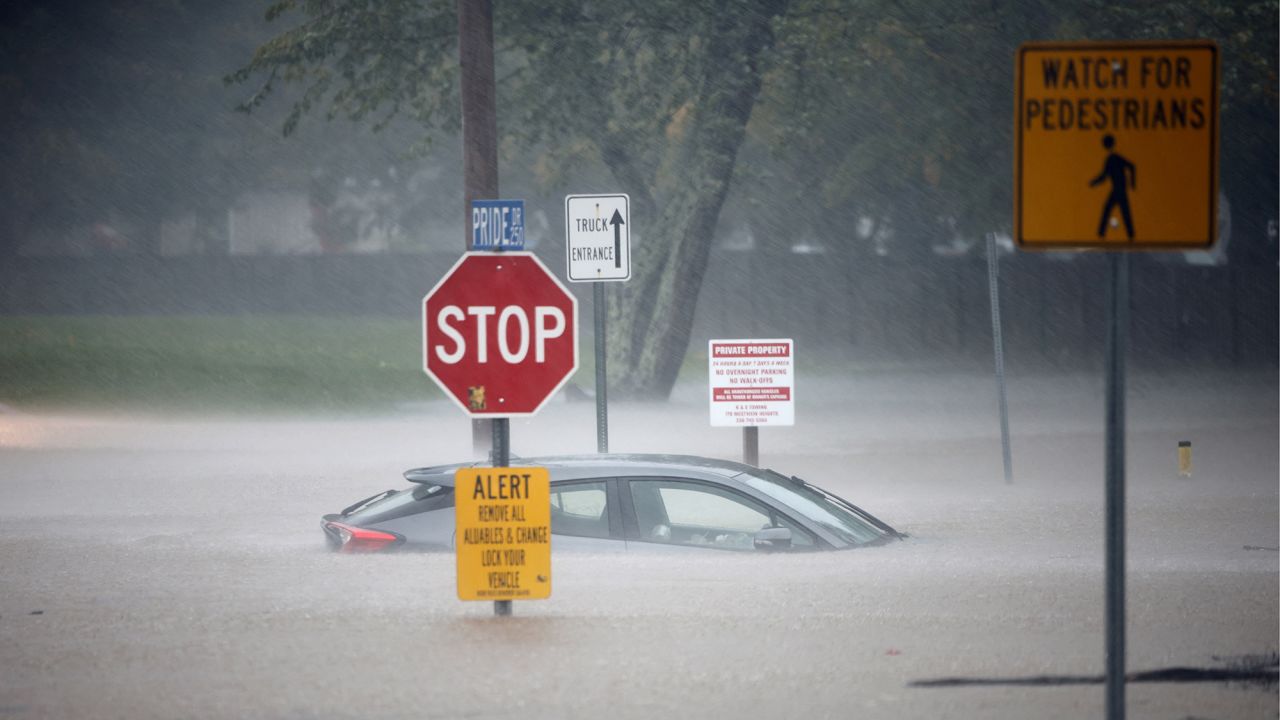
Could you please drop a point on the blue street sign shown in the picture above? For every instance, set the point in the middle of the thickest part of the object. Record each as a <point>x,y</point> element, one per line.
<point>497,224</point>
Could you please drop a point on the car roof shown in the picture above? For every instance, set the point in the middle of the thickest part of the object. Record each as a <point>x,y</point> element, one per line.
<point>570,467</point>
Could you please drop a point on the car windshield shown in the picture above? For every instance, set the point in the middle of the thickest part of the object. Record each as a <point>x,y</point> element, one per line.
<point>817,506</point>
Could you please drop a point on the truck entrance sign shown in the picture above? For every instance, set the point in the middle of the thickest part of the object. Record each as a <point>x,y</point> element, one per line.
<point>598,232</point>
<point>503,540</point>
<point>751,382</point>
<point>500,334</point>
<point>1116,145</point>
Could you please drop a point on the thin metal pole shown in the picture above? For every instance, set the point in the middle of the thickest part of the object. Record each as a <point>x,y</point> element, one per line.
<point>602,380</point>
<point>479,132</point>
<point>997,337</point>
<point>751,446</point>
<point>501,458</point>
<point>1117,337</point>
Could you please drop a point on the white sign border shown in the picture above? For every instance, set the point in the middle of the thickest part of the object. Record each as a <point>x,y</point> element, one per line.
<point>568,245</point>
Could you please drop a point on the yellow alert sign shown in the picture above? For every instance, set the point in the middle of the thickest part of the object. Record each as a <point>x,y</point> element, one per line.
<point>503,539</point>
<point>1116,145</point>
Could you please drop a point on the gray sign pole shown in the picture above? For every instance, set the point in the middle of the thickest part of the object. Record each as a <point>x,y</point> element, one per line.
<point>751,446</point>
<point>501,458</point>
<point>993,273</point>
<point>1117,336</point>
<point>602,381</point>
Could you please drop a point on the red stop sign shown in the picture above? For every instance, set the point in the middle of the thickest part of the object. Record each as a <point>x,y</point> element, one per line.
<point>499,334</point>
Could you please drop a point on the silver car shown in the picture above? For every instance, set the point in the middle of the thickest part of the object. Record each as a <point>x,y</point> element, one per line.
<point>619,503</point>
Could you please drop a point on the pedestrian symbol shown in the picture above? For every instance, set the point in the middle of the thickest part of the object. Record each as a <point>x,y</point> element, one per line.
<point>1088,115</point>
<point>1123,178</point>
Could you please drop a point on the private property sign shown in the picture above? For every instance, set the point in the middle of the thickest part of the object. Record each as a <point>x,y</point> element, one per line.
<point>751,382</point>
<point>1116,145</point>
<point>503,540</point>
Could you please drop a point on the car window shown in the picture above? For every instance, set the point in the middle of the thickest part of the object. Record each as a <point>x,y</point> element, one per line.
<point>411,501</point>
<point>580,509</point>
<point>816,505</point>
<point>691,513</point>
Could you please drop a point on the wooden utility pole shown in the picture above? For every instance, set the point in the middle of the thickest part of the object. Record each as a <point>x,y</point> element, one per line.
<point>479,134</point>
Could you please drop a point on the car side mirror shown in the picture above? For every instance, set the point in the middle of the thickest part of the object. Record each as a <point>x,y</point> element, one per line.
<point>773,539</point>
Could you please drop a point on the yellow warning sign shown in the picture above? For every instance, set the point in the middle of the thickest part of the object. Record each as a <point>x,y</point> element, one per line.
<point>1116,145</point>
<point>503,539</point>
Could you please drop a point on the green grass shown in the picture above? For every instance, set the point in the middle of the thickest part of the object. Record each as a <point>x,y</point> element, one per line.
<point>212,363</point>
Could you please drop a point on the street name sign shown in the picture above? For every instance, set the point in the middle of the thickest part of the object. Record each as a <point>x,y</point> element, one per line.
<point>1116,145</point>
<point>499,334</point>
<point>751,382</point>
<point>598,234</point>
<point>497,224</point>
<point>503,536</point>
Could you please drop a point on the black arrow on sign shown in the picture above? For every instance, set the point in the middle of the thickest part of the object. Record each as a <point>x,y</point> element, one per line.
<point>616,222</point>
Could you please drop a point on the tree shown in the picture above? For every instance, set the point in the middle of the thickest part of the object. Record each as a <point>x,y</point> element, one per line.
<point>901,109</point>
<point>662,92</point>
<point>897,110</point>
<point>116,113</point>
<point>114,110</point>
<point>1248,47</point>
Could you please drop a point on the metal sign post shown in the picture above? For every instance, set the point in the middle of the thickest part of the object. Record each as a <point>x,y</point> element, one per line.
<point>1117,340</point>
<point>501,458</point>
<point>751,446</point>
<point>602,381</point>
<point>997,338</point>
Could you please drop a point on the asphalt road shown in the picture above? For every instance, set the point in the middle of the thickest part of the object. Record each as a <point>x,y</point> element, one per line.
<point>173,567</point>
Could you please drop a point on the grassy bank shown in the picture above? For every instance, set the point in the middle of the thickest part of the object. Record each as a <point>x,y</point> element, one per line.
<point>211,363</point>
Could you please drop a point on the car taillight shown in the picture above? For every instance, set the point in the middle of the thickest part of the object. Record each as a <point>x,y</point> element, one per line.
<point>359,540</point>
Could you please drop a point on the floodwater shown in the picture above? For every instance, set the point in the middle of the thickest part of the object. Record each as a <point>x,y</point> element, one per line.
<point>174,567</point>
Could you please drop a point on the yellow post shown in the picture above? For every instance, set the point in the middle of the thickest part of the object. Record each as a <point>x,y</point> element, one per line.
<point>1184,458</point>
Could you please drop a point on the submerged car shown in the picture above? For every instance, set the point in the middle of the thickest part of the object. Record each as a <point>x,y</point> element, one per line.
<point>619,503</point>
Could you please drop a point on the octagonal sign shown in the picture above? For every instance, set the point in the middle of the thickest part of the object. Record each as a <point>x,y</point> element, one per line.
<point>499,334</point>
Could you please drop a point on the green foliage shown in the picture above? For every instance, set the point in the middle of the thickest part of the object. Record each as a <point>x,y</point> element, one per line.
<point>1247,37</point>
<point>354,59</point>
<point>659,91</point>
<point>615,75</point>
<point>894,110</point>
<point>901,109</point>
